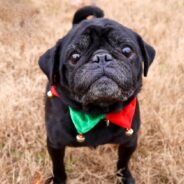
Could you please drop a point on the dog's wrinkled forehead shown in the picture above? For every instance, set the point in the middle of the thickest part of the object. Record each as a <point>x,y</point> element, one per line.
<point>82,42</point>
<point>98,30</point>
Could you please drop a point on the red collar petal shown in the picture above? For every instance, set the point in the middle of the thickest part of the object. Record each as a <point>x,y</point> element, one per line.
<point>124,117</point>
<point>53,91</point>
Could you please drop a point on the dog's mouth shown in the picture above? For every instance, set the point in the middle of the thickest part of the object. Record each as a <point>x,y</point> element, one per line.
<point>104,91</point>
<point>103,86</point>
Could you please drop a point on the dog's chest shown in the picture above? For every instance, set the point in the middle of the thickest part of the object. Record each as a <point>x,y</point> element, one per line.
<point>61,131</point>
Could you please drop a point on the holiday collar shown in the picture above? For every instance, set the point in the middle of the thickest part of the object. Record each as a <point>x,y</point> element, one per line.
<point>85,122</point>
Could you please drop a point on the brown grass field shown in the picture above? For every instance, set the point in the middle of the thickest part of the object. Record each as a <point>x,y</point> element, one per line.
<point>27,29</point>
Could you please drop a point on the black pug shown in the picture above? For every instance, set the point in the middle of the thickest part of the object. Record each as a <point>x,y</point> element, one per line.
<point>95,75</point>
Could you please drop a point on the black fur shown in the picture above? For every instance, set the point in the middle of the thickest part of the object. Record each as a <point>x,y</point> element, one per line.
<point>148,54</point>
<point>103,80</point>
<point>86,11</point>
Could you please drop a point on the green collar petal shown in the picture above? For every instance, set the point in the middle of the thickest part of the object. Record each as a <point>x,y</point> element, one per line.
<point>84,122</point>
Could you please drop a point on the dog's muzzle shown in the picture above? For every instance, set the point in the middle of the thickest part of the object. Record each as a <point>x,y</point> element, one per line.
<point>103,81</point>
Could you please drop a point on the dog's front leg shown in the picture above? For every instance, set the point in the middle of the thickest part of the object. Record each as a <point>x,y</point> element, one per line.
<point>57,156</point>
<point>124,154</point>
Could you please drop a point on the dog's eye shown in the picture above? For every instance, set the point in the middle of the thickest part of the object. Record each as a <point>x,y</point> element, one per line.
<point>74,58</point>
<point>127,51</point>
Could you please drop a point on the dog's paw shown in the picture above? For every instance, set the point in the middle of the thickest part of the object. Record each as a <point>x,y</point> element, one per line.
<point>129,181</point>
<point>124,176</point>
<point>126,181</point>
<point>53,180</point>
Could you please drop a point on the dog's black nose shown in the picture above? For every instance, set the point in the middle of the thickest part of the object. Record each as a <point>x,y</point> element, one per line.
<point>102,57</point>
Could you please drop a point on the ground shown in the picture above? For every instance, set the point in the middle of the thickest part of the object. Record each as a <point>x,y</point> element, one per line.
<point>27,29</point>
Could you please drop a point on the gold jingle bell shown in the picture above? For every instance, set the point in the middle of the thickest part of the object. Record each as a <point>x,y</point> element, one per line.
<point>129,132</point>
<point>49,94</point>
<point>80,138</point>
<point>107,122</point>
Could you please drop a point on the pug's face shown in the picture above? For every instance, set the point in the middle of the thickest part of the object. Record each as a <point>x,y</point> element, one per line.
<point>99,62</point>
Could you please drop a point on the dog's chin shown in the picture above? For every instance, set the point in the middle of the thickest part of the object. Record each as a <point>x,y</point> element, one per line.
<point>103,92</point>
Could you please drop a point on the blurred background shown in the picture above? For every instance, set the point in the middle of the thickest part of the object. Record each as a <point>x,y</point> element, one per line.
<point>27,29</point>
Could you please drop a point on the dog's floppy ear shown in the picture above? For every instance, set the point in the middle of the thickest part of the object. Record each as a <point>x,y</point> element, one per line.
<point>147,52</point>
<point>49,62</point>
<point>86,11</point>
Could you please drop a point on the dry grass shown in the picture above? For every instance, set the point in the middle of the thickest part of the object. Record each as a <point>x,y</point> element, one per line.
<point>27,29</point>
